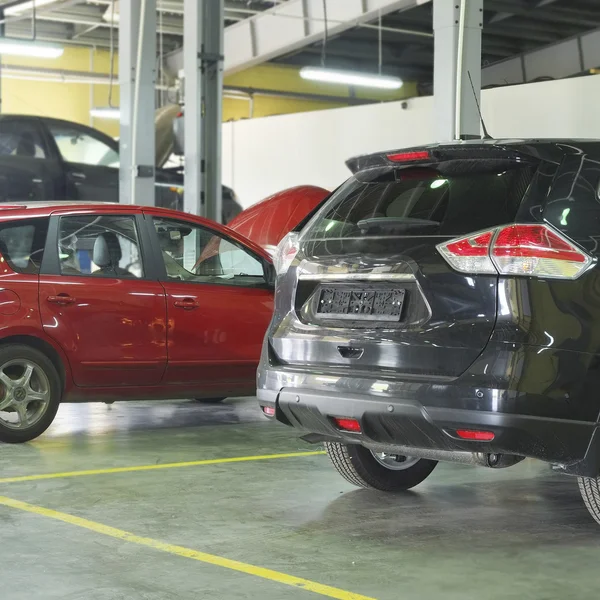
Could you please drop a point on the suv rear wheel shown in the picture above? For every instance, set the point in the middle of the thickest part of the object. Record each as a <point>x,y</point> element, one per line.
<point>30,392</point>
<point>379,471</point>
<point>590,492</point>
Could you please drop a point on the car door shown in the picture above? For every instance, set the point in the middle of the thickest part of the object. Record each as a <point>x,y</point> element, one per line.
<point>29,170</point>
<point>90,161</point>
<point>218,303</point>
<point>100,298</point>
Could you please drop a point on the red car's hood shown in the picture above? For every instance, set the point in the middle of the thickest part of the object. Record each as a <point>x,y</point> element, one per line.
<point>267,222</point>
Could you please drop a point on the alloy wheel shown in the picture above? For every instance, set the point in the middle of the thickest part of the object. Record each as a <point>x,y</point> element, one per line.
<point>24,394</point>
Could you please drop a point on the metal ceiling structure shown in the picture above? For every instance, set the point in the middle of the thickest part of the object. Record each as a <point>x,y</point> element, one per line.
<point>510,28</point>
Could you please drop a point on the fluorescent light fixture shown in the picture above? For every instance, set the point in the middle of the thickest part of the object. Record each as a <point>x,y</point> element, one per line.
<point>30,48</point>
<point>17,9</point>
<point>374,80</point>
<point>106,113</point>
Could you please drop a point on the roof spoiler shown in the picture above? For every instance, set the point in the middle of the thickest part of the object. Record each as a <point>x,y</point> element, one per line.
<point>443,152</point>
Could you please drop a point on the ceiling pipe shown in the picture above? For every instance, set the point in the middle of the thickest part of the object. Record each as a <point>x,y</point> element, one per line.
<point>11,71</point>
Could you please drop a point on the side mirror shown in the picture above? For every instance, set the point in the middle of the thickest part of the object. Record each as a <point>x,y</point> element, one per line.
<point>270,274</point>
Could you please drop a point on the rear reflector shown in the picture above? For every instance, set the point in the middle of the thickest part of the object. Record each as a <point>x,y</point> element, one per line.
<point>347,424</point>
<point>408,156</point>
<point>269,411</point>
<point>479,436</point>
<point>532,250</point>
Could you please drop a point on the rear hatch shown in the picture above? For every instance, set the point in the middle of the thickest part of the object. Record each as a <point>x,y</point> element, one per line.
<point>371,290</point>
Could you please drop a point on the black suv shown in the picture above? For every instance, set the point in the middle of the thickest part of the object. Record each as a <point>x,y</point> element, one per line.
<point>444,304</point>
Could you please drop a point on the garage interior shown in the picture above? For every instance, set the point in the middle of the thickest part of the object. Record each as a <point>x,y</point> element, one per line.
<point>182,499</point>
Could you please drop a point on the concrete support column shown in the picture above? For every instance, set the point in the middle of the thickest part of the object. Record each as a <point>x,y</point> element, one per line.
<point>137,76</point>
<point>457,28</point>
<point>203,80</point>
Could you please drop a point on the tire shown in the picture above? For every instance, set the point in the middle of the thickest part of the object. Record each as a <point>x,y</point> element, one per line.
<point>210,400</point>
<point>359,466</point>
<point>590,492</point>
<point>40,394</point>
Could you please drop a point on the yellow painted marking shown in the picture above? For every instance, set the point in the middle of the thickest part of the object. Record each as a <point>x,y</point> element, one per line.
<point>178,465</point>
<point>211,559</point>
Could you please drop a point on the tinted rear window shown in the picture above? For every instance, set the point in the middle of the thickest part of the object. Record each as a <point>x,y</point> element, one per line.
<point>22,244</point>
<point>448,200</point>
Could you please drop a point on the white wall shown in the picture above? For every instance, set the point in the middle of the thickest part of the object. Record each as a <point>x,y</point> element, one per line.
<point>263,156</point>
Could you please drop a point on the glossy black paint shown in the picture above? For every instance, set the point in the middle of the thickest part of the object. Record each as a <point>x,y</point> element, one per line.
<point>52,178</point>
<point>519,356</point>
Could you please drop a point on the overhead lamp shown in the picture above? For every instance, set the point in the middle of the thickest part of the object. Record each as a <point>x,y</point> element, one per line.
<point>374,80</point>
<point>30,48</point>
<point>18,9</point>
<point>106,113</point>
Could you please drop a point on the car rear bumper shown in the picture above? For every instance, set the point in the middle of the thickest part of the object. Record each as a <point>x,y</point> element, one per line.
<point>426,415</point>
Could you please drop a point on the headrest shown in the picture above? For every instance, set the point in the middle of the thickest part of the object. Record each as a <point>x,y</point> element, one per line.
<point>107,250</point>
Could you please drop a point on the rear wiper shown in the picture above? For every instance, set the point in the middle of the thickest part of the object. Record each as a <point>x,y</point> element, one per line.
<point>399,224</point>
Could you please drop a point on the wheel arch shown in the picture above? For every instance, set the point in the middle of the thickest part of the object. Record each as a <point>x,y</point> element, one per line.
<point>47,349</point>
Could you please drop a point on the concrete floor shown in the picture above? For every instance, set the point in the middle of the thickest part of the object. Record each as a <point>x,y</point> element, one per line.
<point>465,533</point>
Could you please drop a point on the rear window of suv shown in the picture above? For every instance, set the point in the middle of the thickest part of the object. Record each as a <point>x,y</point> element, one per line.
<point>455,198</point>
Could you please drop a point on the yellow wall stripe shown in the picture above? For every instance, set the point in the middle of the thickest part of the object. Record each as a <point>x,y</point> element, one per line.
<point>219,561</point>
<point>178,465</point>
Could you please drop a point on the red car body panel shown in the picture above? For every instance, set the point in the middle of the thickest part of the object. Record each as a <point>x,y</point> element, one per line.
<point>267,222</point>
<point>118,338</point>
<point>109,342</point>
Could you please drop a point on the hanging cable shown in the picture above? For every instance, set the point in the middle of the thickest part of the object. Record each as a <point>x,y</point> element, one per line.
<point>111,77</point>
<point>324,47</point>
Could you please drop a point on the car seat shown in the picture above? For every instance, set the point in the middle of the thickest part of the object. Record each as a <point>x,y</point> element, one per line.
<point>107,254</point>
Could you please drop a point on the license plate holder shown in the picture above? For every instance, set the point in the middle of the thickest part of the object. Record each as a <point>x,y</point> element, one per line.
<point>361,304</point>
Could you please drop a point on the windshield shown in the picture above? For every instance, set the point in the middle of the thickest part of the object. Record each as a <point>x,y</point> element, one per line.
<point>450,200</point>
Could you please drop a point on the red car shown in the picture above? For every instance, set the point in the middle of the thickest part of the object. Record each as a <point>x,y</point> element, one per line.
<point>104,302</point>
<point>268,221</point>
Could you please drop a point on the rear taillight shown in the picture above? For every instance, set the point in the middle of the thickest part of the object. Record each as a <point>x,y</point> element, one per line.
<point>531,250</point>
<point>470,254</point>
<point>409,156</point>
<point>285,253</point>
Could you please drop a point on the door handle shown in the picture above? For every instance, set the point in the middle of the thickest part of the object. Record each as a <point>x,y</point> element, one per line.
<point>62,299</point>
<point>186,303</point>
<point>77,175</point>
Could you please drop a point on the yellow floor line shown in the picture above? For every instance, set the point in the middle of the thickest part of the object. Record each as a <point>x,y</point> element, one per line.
<point>212,559</point>
<point>178,465</point>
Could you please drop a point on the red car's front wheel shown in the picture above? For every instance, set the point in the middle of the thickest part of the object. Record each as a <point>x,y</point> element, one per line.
<point>30,393</point>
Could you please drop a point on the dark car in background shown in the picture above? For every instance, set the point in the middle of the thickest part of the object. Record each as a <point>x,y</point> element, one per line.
<point>444,304</point>
<point>51,159</point>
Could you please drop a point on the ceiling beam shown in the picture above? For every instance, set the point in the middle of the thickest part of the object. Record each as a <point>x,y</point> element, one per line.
<point>298,23</point>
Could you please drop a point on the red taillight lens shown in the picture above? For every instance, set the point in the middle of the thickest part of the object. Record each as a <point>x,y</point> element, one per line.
<point>539,251</point>
<point>408,156</point>
<point>478,436</point>
<point>532,250</point>
<point>347,424</point>
<point>269,411</point>
<point>470,254</point>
